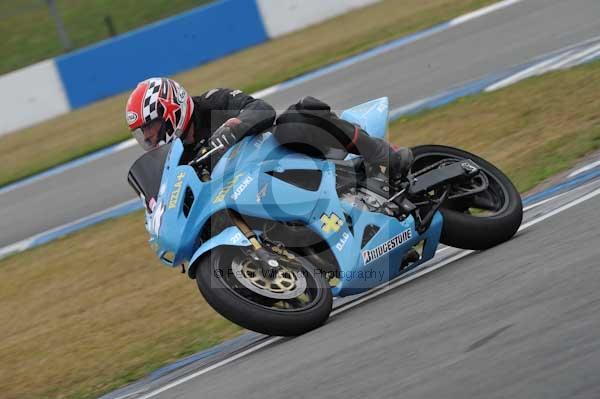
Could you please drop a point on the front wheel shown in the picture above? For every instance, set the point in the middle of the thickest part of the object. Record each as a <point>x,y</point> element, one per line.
<point>481,220</point>
<point>290,300</point>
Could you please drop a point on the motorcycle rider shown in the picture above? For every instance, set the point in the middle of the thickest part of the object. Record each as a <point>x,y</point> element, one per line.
<point>160,109</point>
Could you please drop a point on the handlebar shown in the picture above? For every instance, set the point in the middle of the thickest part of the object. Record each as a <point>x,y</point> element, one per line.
<point>205,155</point>
<point>199,161</point>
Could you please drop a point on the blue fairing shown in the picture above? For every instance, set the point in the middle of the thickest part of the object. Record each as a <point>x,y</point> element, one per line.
<point>229,236</point>
<point>372,116</point>
<point>245,180</point>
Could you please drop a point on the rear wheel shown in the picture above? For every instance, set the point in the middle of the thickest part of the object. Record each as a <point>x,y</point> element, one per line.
<point>292,300</point>
<point>480,220</point>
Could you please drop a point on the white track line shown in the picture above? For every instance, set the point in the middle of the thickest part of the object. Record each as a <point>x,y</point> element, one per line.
<point>393,285</point>
<point>590,57</point>
<point>578,56</point>
<point>582,187</point>
<point>536,204</point>
<point>561,61</point>
<point>481,12</point>
<point>210,368</point>
<point>532,70</point>
<point>560,209</point>
<point>584,169</point>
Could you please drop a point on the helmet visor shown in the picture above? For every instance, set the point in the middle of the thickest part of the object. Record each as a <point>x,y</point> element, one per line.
<point>150,135</point>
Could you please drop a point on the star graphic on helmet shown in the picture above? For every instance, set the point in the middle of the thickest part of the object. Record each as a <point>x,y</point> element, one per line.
<point>170,108</point>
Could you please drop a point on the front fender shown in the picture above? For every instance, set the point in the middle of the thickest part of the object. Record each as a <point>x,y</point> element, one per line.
<point>231,236</point>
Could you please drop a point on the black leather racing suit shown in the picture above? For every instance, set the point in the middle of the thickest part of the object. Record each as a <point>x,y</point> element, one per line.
<point>308,126</point>
<point>311,127</point>
<point>213,108</point>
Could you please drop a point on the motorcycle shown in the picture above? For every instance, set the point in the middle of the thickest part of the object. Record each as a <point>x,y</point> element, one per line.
<point>271,235</point>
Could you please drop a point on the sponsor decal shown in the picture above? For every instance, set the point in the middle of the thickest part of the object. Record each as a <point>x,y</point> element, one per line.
<point>226,188</point>
<point>261,193</point>
<point>181,95</point>
<point>235,93</point>
<point>176,190</point>
<point>342,242</point>
<point>391,244</point>
<point>331,223</point>
<point>132,117</point>
<point>237,237</point>
<point>240,189</point>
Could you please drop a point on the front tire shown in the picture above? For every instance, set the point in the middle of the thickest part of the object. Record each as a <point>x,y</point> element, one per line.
<point>220,280</point>
<point>461,228</point>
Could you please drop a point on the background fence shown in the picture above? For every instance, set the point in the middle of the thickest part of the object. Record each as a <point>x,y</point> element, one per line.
<point>175,44</point>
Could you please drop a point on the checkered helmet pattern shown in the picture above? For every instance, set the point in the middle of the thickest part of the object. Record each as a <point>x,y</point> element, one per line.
<point>150,110</point>
<point>162,98</point>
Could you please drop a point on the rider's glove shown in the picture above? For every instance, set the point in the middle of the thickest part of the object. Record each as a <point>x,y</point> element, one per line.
<point>224,136</point>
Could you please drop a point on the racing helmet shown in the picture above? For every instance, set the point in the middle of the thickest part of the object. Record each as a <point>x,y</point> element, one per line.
<point>158,109</point>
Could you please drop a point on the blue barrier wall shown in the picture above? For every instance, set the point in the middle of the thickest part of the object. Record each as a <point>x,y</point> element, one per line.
<point>164,48</point>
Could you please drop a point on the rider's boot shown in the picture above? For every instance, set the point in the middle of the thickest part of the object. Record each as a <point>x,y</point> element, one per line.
<point>400,163</point>
<point>397,161</point>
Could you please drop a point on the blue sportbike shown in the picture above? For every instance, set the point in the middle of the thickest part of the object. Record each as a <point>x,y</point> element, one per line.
<point>271,235</point>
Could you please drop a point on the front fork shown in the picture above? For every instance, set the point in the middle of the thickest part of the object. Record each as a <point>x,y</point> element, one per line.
<point>268,261</point>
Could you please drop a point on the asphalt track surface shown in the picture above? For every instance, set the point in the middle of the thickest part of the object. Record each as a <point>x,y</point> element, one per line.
<point>426,67</point>
<point>517,321</point>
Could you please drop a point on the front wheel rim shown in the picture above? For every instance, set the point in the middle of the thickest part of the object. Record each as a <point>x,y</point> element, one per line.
<point>247,291</point>
<point>285,283</point>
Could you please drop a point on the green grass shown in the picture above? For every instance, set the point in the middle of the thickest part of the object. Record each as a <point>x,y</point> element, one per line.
<point>80,318</point>
<point>29,34</point>
<point>96,310</point>
<point>70,136</point>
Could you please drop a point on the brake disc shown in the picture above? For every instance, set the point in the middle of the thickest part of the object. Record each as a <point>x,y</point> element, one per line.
<point>285,283</point>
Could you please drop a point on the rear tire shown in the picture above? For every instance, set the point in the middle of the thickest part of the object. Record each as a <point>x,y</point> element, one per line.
<point>247,309</point>
<point>463,230</point>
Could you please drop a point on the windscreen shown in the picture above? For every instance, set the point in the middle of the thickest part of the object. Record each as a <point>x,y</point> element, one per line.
<point>146,173</point>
